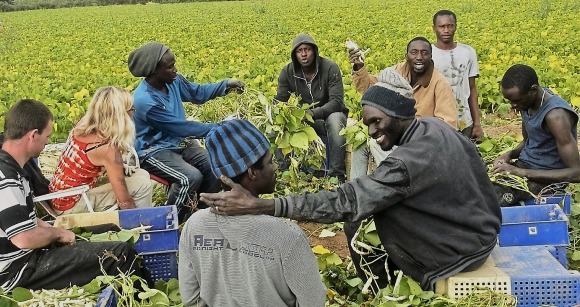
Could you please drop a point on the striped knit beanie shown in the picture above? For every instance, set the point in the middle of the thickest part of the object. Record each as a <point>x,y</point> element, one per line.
<point>233,146</point>
<point>392,94</point>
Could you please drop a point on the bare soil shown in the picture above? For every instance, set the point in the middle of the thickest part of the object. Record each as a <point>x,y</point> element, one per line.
<point>337,244</point>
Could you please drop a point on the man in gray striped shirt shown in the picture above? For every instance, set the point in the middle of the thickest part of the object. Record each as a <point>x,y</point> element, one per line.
<point>247,260</point>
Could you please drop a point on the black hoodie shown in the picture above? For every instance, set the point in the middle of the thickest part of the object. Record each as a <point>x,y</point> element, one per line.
<point>326,89</point>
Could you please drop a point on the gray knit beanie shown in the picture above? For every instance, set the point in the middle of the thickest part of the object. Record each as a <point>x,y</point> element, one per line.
<point>234,146</point>
<point>392,95</point>
<point>143,60</point>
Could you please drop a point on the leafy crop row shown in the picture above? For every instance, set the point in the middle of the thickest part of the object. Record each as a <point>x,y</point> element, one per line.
<point>62,56</point>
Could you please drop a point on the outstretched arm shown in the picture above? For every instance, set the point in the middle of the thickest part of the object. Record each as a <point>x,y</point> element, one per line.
<point>352,201</point>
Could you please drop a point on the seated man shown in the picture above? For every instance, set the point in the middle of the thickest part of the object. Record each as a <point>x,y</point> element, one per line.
<point>248,260</point>
<point>34,254</point>
<point>549,152</point>
<point>162,128</point>
<point>318,80</point>
<point>432,222</point>
<point>428,87</point>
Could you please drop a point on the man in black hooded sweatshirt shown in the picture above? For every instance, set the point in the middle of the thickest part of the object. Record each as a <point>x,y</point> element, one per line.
<point>317,80</point>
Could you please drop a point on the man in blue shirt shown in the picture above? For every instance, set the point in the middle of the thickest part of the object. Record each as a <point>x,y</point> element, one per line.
<point>162,129</point>
<point>548,155</point>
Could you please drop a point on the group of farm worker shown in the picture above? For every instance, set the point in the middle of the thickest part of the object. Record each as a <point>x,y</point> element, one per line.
<point>436,211</point>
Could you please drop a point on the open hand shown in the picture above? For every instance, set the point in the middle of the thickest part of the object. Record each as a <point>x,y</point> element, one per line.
<point>507,168</point>
<point>237,201</point>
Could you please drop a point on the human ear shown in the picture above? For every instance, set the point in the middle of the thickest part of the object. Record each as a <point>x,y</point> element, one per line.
<point>252,173</point>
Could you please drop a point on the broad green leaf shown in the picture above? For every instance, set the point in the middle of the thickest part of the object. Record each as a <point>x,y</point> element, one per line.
<point>93,287</point>
<point>21,294</point>
<point>414,287</point>
<point>298,113</point>
<point>311,133</point>
<point>486,145</point>
<point>333,258</point>
<point>372,238</point>
<point>280,120</point>
<point>263,99</point>
<point>299,140</point>
<point>320,250</point>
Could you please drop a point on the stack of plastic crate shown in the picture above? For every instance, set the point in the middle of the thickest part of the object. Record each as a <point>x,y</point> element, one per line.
<point>540,225</point>
<point>158,245</point>
<point>565,202</point>
<point>537,278</point>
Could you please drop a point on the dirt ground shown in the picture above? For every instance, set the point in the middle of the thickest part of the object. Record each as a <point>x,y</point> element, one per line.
<point>337,244</point>
<point>493,126</point>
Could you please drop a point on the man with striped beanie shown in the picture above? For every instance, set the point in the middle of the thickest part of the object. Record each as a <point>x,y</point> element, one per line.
<point>247,260</point>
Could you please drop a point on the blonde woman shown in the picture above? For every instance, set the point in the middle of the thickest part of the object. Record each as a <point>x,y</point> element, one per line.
<point>95,146</point>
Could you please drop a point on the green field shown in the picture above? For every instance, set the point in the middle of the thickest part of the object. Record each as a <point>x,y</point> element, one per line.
<point>61,56</point>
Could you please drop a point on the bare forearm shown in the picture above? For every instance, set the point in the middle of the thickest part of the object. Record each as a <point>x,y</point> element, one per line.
<point>552,176</point>
<point>116,176</point>
<point>474,108</point>
<point>515,153</point>
<point>39,237</point>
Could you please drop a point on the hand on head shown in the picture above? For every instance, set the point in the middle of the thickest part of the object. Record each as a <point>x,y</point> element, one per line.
<point>237,201</point>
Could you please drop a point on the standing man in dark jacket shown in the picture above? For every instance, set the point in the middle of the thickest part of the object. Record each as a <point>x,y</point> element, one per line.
<point>317,80</point>
<point>434,206</point>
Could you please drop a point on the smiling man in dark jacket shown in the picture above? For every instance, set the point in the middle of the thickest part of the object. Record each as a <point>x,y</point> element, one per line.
<point>317,80</point>
<point>434,207</point>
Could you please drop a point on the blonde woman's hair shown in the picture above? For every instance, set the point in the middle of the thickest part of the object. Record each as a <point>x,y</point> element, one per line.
<point>108,117</point>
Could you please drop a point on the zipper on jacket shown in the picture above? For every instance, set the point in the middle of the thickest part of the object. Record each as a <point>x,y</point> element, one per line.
<point>308,84</point>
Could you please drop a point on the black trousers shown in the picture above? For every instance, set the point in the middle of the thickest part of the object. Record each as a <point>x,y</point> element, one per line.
<point>509,196</point>
<point>79,263</point>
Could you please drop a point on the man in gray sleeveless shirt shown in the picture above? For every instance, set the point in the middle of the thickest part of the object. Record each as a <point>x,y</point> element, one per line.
<point>548,155</point>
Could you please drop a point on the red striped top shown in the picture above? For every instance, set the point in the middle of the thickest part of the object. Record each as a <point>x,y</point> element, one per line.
<point>74,169</point>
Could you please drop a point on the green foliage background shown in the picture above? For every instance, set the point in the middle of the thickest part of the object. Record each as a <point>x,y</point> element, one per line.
<point>61,56</point>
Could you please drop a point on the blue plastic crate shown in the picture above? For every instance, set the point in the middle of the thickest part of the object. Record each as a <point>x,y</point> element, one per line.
<point>107,298</point>
<point>559,252</point>
<point>161,265</point>
<point>157,241</point>
<point>537,278</point>
<point>159,218</point>
<point>534,225</point>
<point>564,200</point>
